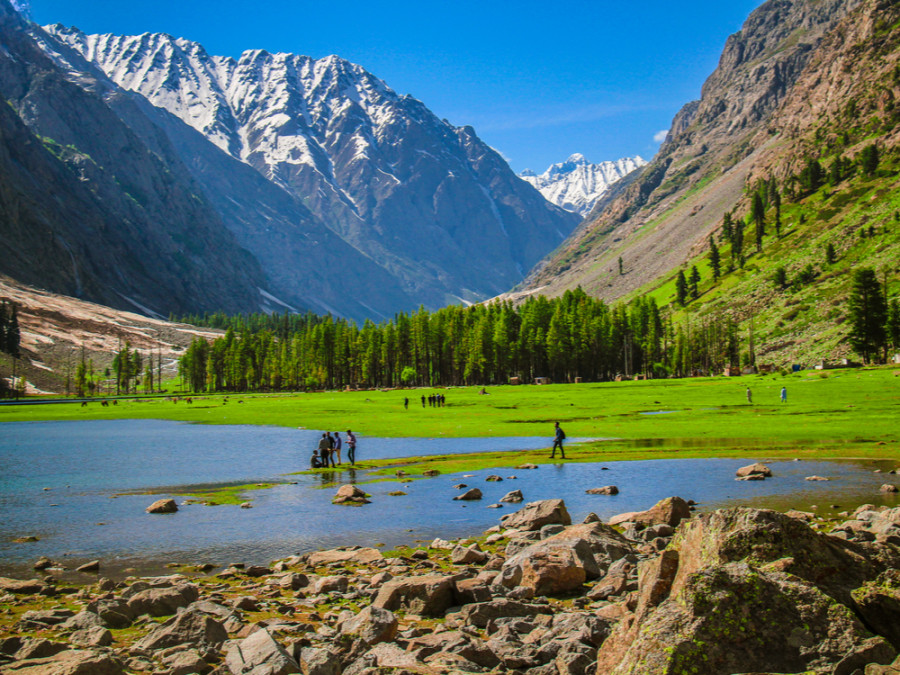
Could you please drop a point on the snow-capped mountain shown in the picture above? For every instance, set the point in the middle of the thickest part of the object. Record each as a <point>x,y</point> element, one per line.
<point>577,184</point>
<point>428,202</point>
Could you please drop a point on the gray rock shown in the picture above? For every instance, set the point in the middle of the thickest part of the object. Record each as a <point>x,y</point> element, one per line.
<point>429,595</point>
<point>479,614</point>
<point>534,515</point>
<point>372,625</point>
<point>162,506</point>
<point>260,654</point>
<point>98,636</point>
<point>185,628</point>
<point>605,490</point>
<point>513,497</point>
<point>162,601</point>
<point>469,495</point>
<point>186,662</point>
<point>70,662</point>
<point>319,661</point>
<point>754,469</point>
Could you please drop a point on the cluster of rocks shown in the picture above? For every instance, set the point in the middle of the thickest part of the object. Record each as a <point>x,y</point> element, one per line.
<point>665,591</point>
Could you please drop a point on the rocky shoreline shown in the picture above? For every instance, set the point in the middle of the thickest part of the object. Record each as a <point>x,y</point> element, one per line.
<point>663,591</point>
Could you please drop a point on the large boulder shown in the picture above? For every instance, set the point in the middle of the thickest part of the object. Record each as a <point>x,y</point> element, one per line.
<point>162,601</point>
<point>551,566</point>
<point>71,662</point>
<point>260,654</point>
<point>534,515</point>
<point>162,506</point>
<point>671,511</point>
<point>186,628</point>
<point>20,587</point>
<point>428,595</point>
<point>735,618</point>
<point>761,537</point>
<point>878,604</point>
<point>349,555</point>
<point>605,543</point>
<point>469,495</point>
<point>481,613</point>
<point>350,494</point>
<point>754,470</point>
<point>760,575</point>
<point>372,625</point>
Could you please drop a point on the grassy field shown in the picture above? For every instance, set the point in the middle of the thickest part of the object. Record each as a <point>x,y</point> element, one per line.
<point>841,413</point>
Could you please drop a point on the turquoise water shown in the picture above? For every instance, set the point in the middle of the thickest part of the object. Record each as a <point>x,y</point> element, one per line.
<point>85,465</point>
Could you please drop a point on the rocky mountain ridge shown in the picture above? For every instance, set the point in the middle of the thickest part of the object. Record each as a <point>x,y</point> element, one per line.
<point>702,168</point>
<point>428,202</point>
<point>577,184</point>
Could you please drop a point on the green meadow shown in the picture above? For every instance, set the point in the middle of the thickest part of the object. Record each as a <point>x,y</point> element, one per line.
<point>847,413</point>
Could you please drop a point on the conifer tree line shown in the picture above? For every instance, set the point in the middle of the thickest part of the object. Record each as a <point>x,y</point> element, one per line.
<point>572,336</point>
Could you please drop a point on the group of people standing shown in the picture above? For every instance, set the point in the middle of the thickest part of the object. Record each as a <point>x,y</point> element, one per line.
<point>329,450</point>
<point>434,400</point>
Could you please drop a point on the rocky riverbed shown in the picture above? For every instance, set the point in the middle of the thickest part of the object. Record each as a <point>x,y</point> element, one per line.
<point>663,591</point>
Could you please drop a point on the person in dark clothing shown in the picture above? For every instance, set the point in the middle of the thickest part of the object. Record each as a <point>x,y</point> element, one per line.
<point>423,400</point>
<point>330,439</point>
<point>324,450</point>
<point>351,447</point>
<point>406,403</point>
<point>558,442</point>
<point>314,461</point>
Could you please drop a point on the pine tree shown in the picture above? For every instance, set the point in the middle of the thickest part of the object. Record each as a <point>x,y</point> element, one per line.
<point>694,281</point>
<point>715,261</point>
<point>868,160</point>
<point>830,256</point>
<point>681,288</point>
<point>868,314</point>
<point>621,269</point>
<point>758,213</point>
<point>737,244</point>
<point>727,228</point>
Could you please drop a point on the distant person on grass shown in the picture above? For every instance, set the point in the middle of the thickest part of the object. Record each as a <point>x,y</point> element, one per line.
<point>558,442</point>
<point>784,394</point>
<point>749,396</point>
<point>337,446</point>
<point>351,447</point>
<point>406,403</point>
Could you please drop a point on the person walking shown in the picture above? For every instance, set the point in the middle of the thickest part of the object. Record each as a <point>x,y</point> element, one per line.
<point>351,447</point>
<point>406,403</point>
<point>558,439</point>
<point>337,446</point>
<point>423,400</point>
<point>749,396</point>
<point>784,394</point>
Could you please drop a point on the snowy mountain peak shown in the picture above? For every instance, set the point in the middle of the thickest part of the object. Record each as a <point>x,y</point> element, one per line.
<point>577,184</point>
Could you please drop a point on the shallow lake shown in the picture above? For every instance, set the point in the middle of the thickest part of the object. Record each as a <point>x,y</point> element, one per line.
<point>59,481</point>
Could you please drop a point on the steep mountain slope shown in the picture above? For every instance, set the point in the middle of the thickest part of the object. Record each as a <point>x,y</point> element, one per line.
<point>701,170</point>
<point>576,184</point>
<point>87,209</point>
<point>428,202</point>
<point>826,178</point>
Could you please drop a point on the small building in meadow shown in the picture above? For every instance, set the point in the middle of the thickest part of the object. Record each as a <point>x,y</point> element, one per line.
<point>731,371</point>
<point>515,380</point>
<point>542,380</point>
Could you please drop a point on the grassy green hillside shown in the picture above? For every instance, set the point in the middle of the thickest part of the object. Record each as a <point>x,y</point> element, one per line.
<point>805,321</point>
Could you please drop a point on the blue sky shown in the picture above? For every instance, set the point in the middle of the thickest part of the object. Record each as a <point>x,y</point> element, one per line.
<point>538,80</point>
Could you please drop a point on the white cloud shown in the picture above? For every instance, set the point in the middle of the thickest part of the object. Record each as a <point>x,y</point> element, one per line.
<point>660,136</point>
